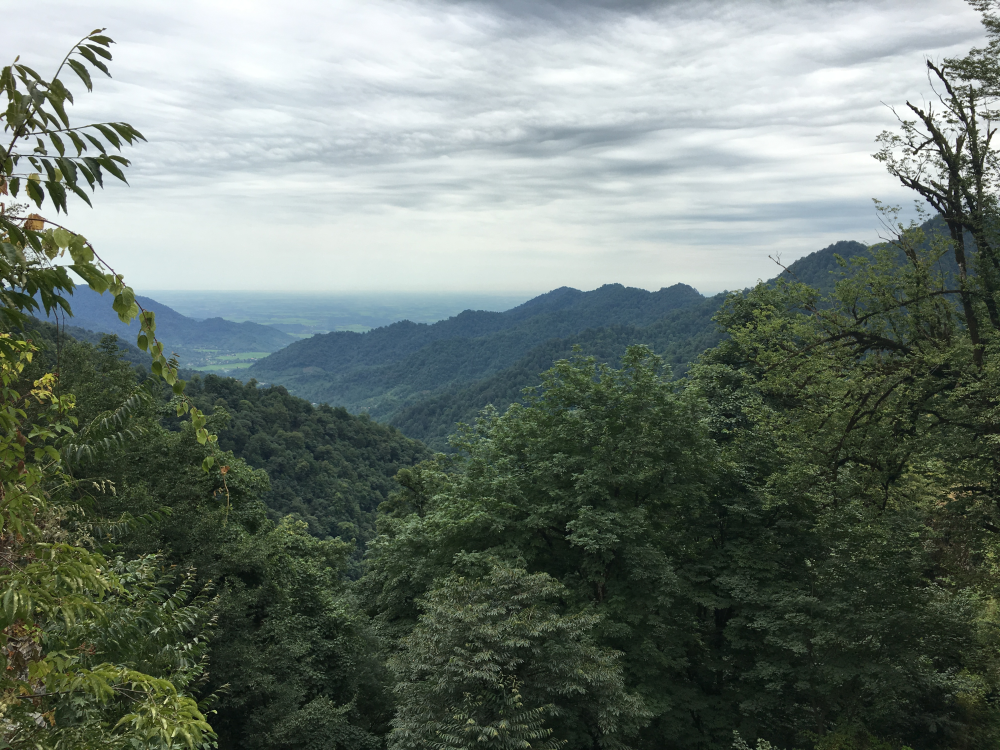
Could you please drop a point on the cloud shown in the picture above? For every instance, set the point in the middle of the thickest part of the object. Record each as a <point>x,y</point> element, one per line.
<point>494,145</point>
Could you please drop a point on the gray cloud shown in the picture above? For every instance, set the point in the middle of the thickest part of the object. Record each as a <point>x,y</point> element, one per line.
<point>503,144</point>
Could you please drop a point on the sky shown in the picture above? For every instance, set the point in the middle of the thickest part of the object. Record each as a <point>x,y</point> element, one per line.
<point>494,146</point>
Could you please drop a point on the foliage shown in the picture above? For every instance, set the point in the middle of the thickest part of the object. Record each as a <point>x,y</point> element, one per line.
<point>71,678</point>
<point>67,682</point>
<point>492,661</point>
<point>31,278</point>
<point>299,657</point>
<point>325,466</point>
<point>588,482</point>
<point>945,156</point>
<point>293,658</point>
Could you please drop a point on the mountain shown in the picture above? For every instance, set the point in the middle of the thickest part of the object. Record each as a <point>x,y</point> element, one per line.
<point>388,367</point>
<point>198,342</point>
<point>560,312</point>
<point>424,378</point>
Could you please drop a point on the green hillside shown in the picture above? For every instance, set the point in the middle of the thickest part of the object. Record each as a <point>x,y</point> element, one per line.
<point>328,467</point>
<point>424,379</point>
<point>387,368</point>
<point>209,344</point>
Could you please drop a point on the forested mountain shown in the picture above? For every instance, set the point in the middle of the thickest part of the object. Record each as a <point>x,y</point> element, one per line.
<point>196,341</point>
<point>680,336</point>
<point>382,368</point>
<point>425,378</point>
<point>327,467</point>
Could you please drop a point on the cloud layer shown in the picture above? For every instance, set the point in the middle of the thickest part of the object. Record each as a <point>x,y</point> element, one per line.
<point>505,145</point>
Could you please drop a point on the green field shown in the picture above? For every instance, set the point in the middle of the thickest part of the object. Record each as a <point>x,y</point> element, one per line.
<point>241,356</point>
<point>222,364</point>
<point>223,369</point>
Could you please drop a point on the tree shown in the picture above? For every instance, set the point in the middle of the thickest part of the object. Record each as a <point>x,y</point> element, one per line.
<point>492,663</point>
<point>597,481</point>
<point>66,683</point>
<point>62,686</point>
<point>947,157</point>
<point>293,659</point>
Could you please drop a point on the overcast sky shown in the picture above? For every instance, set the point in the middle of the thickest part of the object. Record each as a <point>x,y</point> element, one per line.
<point>491,146</point>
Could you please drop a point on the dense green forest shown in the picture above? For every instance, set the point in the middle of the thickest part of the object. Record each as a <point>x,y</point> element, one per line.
<point>382,369</point>
<point>679,336</point>
<point>792,545</point>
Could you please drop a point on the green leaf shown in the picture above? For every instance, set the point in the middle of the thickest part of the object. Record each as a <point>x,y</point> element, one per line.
<point>92,59</point>
<point>92,275</point>
<point>77,142</point>
<point>59,107</point>
<point>82,72</point>
<point>127,132</point>
<point>68,169</point>
<point>58,194</point>
<point>110,134</point>
<point>79,250</point>
<point>124,305</point>
<point>109,165</point>
<point>99,51</point>
<point>25,69</point>
<point>80,194</point>
<point>35,192</point>
<point>97,144</point>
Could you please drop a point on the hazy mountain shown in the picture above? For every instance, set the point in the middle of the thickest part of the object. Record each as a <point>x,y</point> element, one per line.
<point>425,378</point>
<point>385,368</point>
<point>195,340</point>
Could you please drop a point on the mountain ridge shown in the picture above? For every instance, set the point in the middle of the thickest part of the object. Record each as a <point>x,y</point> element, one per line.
<point>189,337</point>
<point>428,381</point>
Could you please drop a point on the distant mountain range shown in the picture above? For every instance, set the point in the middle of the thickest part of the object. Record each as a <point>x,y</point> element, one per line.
<point>207,344</point>
<point>425,378</point>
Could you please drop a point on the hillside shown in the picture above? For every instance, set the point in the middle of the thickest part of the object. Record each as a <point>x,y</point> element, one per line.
<point>330,468</point>
<point>200,343</point>
<point>425,378</point>
<point>386,368</point>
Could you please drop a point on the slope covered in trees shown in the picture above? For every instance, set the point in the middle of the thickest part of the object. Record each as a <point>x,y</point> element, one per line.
<point>289,640</point>
<point>190,338</point>
<point>327,467</point>
<point>385,367</point>
<point>424,379</point>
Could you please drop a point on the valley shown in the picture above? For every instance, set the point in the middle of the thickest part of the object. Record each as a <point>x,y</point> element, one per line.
<point>424,377</point>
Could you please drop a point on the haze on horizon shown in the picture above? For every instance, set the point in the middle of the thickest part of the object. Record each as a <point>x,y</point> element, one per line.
<point>493,146</point>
